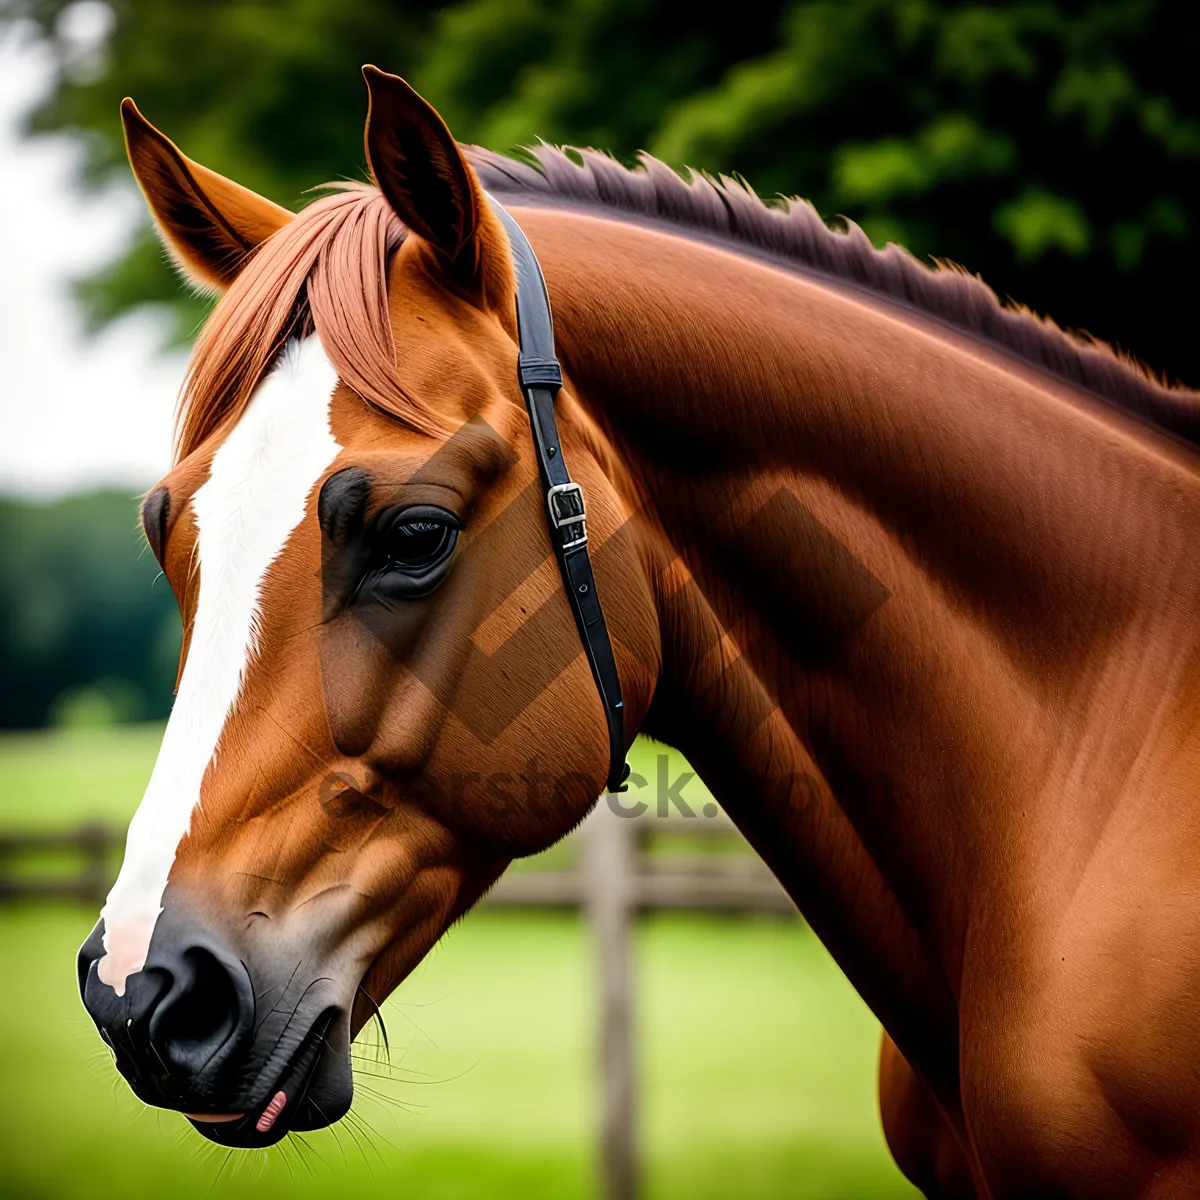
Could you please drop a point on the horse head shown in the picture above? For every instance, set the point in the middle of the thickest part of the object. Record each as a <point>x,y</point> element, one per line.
<point>382,698</point>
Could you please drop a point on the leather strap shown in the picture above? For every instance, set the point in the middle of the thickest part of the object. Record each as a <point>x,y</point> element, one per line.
<point>540,378</point>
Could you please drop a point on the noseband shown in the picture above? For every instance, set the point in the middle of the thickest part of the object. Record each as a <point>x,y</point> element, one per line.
<point>540,377</point>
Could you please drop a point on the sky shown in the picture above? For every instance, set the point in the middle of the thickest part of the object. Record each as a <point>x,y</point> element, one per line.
<point>76,411</point>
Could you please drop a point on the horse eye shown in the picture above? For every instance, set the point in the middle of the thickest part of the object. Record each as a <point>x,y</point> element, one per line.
<point>411,550</point>
<point>418,544</point>
<point>414,549</point>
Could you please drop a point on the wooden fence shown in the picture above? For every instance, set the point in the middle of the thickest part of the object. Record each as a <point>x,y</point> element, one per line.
<point>613,868</point>
<point>90,848</point>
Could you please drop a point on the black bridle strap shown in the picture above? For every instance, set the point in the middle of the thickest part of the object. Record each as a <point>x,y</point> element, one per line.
<point>540,378</point>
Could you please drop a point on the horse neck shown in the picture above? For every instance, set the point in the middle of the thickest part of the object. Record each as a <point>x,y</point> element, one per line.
<point>904,578</point>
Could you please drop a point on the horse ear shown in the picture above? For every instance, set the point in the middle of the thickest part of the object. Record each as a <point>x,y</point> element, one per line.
<point>209,224</point>
<point>420,169</point>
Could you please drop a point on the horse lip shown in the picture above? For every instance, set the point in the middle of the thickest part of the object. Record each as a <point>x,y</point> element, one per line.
<point>239,1130</point>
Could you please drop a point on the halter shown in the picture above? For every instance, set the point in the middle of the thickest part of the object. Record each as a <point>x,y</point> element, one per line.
<point>540,377</point>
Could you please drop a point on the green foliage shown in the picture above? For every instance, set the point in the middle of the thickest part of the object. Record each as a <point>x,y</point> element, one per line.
<point>89,631</point>
<point>96,705</point>
<point>1051,145</point>
<point>1037,221</point>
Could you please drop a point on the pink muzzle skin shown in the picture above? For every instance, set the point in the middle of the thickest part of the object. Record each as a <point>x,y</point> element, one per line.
<point>271,1113</point>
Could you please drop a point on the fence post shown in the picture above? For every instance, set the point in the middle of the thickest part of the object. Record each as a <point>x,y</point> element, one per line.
<point>610,864</point>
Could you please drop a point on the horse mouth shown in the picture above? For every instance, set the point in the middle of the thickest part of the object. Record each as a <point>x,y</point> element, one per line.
<point>287,1106</point>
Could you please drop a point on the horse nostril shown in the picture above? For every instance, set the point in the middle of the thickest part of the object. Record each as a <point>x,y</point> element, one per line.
<point>200,1014</point>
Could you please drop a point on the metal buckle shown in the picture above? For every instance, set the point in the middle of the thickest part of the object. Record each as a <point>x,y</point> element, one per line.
<point>561,520</point>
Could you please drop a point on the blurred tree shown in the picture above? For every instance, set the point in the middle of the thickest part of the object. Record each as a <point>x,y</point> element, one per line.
<point>86,620</point>
<point>1050,145</point>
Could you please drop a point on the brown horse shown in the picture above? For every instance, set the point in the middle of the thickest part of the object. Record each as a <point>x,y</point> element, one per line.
<point>910,577</point>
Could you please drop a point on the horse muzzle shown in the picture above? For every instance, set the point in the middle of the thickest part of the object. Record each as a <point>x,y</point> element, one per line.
<point>247,1057</point>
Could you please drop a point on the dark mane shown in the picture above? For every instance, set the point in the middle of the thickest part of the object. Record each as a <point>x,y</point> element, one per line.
<point>793,232</point>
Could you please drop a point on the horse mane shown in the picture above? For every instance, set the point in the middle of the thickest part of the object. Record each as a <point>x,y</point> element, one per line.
<point>327,270</point>
<point>791,231</point>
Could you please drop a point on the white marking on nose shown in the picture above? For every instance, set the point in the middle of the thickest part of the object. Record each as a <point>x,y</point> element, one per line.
<point>254,497</point>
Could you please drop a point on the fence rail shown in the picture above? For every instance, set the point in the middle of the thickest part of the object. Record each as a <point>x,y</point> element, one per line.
<point>94,844</point>
<point>623,867</point>
<point>699,882</point>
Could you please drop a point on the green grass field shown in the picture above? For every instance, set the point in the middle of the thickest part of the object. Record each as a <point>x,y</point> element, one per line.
<point>757,1058</point>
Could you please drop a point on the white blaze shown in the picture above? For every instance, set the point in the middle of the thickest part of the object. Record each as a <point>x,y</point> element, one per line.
<point>246,510</point>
